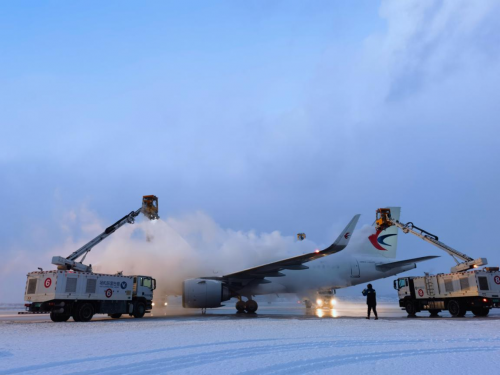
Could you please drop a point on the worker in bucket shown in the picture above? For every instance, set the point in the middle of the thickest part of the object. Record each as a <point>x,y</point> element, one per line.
<point>371,300</point>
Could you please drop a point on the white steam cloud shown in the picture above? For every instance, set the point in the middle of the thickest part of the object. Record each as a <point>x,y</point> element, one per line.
<point>194,245</point>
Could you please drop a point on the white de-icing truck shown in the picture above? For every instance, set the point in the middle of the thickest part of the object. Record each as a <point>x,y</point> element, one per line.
<point>465,288</point>
<point>73,290</point>
<point>476,291</point>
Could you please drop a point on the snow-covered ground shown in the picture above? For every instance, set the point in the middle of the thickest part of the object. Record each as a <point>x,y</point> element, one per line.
<point>264,344</point>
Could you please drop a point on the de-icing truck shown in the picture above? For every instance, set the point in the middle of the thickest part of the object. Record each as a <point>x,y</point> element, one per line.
<point>476,291</point>
<point>73,290</point>
<point>465,288</point>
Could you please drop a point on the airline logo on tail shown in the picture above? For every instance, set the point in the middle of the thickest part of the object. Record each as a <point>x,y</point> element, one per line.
<point>378,241</point>
<point>347,235</point>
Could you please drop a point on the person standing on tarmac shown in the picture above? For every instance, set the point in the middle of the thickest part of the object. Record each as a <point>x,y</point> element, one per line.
<point>371,300</point>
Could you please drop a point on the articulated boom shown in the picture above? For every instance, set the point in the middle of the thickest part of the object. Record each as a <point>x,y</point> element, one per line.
<point>149,209</point>
<point>384,221</point>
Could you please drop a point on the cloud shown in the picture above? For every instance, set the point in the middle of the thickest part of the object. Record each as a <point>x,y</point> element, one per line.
<point>429,41</point>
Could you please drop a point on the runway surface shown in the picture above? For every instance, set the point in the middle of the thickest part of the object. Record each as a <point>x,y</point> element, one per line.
<point>275,310</point>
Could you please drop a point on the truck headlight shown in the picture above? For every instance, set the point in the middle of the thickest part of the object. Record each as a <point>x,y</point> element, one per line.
<point>319,302</point>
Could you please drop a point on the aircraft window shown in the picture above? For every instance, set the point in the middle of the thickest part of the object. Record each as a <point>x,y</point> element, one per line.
<point>146,282</point>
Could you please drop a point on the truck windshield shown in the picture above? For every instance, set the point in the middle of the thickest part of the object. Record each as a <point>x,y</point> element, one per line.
<point>146,282</point>
<point>402,283</point>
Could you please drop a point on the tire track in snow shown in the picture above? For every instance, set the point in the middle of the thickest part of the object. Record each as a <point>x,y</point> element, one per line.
<point>49,365</point>
<point>222,354</point>
<point>199,359</point>
<point>314,365</point>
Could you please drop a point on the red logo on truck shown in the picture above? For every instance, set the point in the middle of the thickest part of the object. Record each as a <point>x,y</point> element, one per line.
<point>108,293</point>
<point>48,282</point>
<point>420,292</point>
<point>497,279</point>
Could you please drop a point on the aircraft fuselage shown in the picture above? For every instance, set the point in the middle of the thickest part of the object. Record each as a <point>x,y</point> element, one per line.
<point>332,272</point>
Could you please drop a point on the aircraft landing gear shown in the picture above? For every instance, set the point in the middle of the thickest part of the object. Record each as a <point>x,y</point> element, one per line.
<point>240,306</point>
<point>251,306</point>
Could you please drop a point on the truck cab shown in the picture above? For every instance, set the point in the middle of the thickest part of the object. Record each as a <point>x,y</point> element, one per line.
<point>144,286</point>
<point>402,285</point>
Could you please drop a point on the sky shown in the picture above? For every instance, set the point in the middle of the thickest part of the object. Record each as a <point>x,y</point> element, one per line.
<point>252,118</point>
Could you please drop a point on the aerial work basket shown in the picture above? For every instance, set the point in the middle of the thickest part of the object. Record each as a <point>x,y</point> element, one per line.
<point>383,219</point>
<point>150,207</point>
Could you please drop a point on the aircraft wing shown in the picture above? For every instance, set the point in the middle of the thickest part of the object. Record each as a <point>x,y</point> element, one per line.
<point>388,266</point>
<point>273,269</point>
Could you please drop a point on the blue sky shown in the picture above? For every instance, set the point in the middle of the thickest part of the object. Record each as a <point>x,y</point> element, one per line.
<point>286,115</point>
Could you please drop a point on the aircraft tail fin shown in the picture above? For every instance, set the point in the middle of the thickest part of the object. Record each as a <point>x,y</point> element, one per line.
<point>384,243</point>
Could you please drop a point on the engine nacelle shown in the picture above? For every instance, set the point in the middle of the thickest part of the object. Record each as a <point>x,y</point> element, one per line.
<point>201,293</point>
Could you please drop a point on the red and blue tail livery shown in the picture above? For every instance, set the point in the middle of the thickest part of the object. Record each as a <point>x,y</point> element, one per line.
<point>383,243</point>
<point>377,240</point>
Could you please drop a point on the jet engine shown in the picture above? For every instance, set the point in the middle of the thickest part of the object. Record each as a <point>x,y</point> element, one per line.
<point>203,293</point>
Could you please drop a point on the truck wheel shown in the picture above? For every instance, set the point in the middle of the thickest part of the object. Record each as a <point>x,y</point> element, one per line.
<point>115,316</point>
<point>140,310</point>
<point>84,312</point>
<point>410,308</point>
<point>480,311</point>
<point>75,315</point>
<point>59,317</point>
<point>456,309</point>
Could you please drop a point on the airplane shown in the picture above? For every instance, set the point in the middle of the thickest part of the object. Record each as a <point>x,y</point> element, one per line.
<point>321,271</point>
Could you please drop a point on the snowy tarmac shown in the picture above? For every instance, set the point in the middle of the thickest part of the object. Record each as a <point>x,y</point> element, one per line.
<point>282,338</point>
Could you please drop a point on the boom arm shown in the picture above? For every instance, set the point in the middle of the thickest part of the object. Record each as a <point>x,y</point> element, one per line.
<point>149,209</point>
<point>384,221</point>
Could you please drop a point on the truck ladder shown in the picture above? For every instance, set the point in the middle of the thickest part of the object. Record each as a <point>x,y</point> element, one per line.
<point>429,286</point>
<point>149,208</point>
<point>384,221</point>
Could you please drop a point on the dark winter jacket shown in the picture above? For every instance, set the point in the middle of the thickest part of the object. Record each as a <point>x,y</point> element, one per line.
<point>371,297</point>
